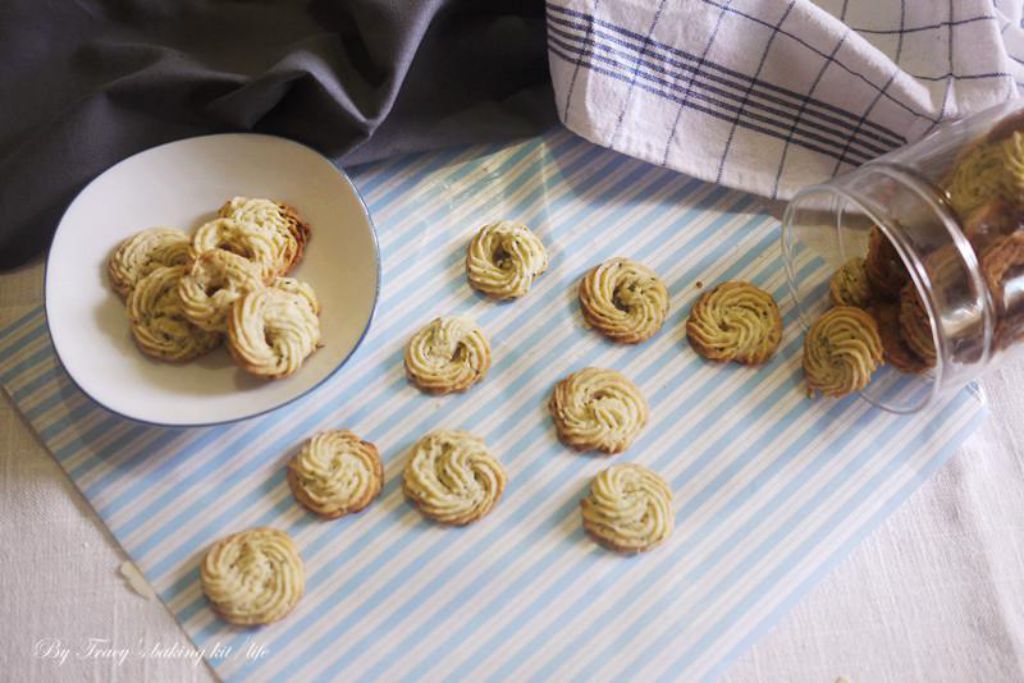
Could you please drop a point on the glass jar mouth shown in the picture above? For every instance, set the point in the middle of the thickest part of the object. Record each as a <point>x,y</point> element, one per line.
<point>840,199</point>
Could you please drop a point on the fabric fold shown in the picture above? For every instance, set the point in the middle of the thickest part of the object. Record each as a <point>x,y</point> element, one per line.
<point>85,84</point>
<point>768,96</point>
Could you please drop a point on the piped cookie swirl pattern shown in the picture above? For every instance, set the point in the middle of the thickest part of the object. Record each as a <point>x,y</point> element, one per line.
<point>336,473</point>
<point>253,577</point>
<point>841,351</point>
<point>735,321</point>
<point>598,409</point>
<point>452,478</point>
<point>450,354</point>
<point>629,509</point>
<point>503,260</point>
<point>624,300</point>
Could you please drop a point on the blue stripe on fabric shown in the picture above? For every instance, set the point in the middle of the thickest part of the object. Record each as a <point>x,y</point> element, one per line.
<point>60,391</point>
<point>470,593</point>
<point>26,364</point>
<point>72,418</point>
<point>402,188</point>
<point>39,382</point>
<point>944,453</point>
<point>367,186</point>
<point>618,573</point>
<point>18,345</point>
<point>795,450</point>
<point>686,407</point>
<point>21,322</point>
<point>806,546</point>
<point>534,435</point>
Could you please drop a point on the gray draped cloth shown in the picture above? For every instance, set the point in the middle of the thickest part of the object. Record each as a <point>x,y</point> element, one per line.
<point>85,83</point>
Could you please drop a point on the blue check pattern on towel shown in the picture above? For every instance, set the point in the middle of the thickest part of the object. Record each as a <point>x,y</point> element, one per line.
<point>768,95</point>
<point>771,489</point>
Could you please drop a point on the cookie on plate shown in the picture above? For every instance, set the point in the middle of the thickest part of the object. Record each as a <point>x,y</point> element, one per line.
<point>253,577</point>
<point>597,409</point>
<point>336,473</point>
<point>158,321</point>
<point>850,285</point>
<point>248,241</point>
<point>841,351</point>
<point>624,300</point>
<point>301,289</point>
<point>735,321</point>
<point>450,354</point>
<point>144,252</point>
<point>271,331</point>
<point>279,221</point>
<point>503,259</point>
<point>629,509</point>
<point>452,478</point>
<point>216,280</point>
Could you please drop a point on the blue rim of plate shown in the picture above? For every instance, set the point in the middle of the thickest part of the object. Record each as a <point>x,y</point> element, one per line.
<point>355,347</point>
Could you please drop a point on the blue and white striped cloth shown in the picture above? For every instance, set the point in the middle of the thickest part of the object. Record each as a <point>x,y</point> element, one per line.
<point>771,489</point>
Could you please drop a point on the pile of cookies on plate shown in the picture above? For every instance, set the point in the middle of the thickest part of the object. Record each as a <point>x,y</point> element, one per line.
<point>185,294</point>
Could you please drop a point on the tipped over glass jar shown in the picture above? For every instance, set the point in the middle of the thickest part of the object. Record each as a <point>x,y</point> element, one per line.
<point>929,239</point>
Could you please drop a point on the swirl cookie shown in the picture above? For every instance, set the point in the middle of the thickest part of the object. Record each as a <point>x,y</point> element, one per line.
<point>158,320</point>
<point>894,348</point>
<point>884,267</point>
<point>336,473</point>
<point>850,285</point>
<point>1002,262</point>
<point>452,478</point>
<point>144,252</point>
<point>841,351</point>
<point>271,331</point>
<point>629,509</point>
<point>504,259</point>
<point>915,328</point>
<point>299,288</point>
<point>735,321</point>
<point>253,577</point>
<point>597,409</point>
<point>280,222</point>
<point>448,355</point>
<point>243,239</point>
<point>992,169</point>
<point>216,280</point>
<point>623,300</point>
<point>989,222</point>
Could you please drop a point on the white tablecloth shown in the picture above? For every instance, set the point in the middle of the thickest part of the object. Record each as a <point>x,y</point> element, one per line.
<point>936,594</point>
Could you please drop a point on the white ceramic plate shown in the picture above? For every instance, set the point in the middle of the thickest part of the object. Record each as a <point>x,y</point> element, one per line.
<point>182,184</point>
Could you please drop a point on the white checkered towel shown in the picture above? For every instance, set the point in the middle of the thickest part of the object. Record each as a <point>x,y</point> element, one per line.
<point>773,95</point>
